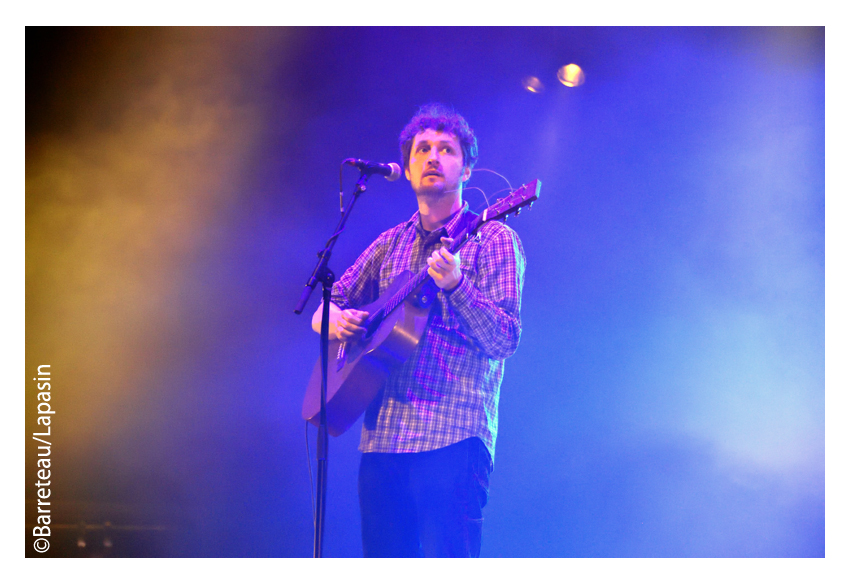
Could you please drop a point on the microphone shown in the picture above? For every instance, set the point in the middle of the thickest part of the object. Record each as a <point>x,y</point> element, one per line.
<point>389,171</point>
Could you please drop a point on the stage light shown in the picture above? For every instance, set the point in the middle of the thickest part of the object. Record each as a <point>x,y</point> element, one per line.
<point>571,75</point>
<point>532,84</point>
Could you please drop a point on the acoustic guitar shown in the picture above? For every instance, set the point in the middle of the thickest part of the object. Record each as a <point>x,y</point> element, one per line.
<point>396,322</point>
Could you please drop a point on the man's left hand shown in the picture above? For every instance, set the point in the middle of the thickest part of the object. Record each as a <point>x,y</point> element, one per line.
<point>445,267</point>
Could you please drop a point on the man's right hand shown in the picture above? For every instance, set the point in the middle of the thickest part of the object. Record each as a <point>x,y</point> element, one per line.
<point>344,325</point>
<point>347,325</point>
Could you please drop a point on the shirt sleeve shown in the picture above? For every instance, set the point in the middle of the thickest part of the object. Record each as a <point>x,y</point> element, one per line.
<point>488,310</point>
<point>358,286</point>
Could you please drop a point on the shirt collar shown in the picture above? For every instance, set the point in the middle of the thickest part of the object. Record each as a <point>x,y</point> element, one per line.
<point>449,228</point>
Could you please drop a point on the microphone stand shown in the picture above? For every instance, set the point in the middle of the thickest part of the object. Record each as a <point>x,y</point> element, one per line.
<point>324,275</point>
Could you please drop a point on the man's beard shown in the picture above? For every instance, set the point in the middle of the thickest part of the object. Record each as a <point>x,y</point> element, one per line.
<point>436,194</point>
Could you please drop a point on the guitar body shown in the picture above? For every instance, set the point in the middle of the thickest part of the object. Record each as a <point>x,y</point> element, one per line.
<point>357,370</point>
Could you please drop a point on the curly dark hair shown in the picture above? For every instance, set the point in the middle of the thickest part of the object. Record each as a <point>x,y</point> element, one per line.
<point>441,118</point>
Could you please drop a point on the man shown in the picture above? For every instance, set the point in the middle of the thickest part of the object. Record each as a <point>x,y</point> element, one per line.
<point>428,439</point>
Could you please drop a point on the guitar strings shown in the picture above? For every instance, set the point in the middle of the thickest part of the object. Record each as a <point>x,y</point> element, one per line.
<point>496,173</point>
<point>483,194</point>
<point>486,200</point>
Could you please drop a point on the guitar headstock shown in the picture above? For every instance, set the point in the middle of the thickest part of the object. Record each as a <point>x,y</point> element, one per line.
<point>522,197</point>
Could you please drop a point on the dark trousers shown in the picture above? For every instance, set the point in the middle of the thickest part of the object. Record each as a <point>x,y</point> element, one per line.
<point>424,504</point>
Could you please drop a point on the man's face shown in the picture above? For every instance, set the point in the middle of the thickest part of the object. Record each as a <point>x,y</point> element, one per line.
<point>436,163</point>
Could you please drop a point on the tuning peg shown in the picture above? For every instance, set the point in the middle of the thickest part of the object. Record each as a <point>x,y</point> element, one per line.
<point>531,204</point>
<point>517,211</point>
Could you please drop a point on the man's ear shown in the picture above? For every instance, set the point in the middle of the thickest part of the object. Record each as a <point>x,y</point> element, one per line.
<point>407,173</point>
<point>467,172</point>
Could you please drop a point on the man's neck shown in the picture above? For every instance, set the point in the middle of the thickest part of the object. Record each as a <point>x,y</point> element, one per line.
<point>434,212</point>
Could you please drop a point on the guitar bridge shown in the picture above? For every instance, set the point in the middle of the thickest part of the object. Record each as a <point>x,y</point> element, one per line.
<point>340,357</point>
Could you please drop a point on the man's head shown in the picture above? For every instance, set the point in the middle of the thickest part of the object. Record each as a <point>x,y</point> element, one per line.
<point>437,124</point>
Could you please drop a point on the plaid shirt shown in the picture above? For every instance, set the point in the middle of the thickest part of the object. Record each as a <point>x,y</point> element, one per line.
<point>448,390</point>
